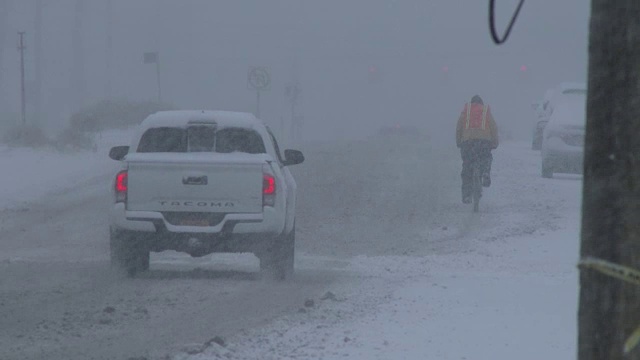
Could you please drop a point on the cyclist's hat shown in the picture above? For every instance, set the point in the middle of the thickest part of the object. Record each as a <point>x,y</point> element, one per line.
<point>476,99</point>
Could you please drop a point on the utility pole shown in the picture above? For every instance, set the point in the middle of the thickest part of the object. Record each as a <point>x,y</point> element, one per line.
<point>78,63</point>
<point>282,127</point>
<point>154,58</point>
<point>293,92</point>
<point>23,100</point>
<point>38,57</point>
<point>258,104</point>
<point>4,27</point>
<point>609,309</point>
<point>109,49</point>
<point>158,78</point>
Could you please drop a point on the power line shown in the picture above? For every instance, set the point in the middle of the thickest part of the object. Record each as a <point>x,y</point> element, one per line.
<point>492,22</point>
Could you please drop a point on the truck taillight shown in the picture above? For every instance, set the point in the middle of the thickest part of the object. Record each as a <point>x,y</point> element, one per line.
<point>121,186</point>
<point>268,190</point>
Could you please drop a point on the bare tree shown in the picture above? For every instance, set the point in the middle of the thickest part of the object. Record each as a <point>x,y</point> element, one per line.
<point>610,308</point>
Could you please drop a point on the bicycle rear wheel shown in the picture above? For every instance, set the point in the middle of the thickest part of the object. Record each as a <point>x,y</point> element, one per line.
<point>477,188</point>
<point>476,203</point>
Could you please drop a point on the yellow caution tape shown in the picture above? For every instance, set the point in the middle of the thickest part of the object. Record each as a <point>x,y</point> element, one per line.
<point>632,341</point>
<point>619,272</point>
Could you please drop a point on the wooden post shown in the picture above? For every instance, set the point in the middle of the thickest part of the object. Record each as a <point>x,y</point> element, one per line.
<point>609,308</point>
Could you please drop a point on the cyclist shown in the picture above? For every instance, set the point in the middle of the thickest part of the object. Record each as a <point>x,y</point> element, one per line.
<point>476,136</point>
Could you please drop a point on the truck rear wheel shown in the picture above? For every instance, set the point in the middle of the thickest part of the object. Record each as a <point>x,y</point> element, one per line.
<point>129,253</point>
<point>279,260</point>
<point>547,169</point>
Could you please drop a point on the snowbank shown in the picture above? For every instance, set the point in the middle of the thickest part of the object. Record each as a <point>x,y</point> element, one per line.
<point>32,173</point>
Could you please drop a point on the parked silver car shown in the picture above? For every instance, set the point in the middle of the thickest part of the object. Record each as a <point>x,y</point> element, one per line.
<point>541,119</point>
<point>544,109</point>
<point>563,136</point>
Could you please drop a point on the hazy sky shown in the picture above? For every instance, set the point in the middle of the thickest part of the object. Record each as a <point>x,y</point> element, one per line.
<point>206,47</point>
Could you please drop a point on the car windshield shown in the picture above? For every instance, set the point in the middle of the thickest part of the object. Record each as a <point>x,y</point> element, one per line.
<point>201,138</point>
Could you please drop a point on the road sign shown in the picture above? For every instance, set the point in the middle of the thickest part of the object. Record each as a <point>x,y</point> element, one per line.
<point>150,58</point>
<point>258,79</point>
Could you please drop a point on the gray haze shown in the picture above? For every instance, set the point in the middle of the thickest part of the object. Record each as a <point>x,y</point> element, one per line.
<point>207,46</point>
<point>387,258</point>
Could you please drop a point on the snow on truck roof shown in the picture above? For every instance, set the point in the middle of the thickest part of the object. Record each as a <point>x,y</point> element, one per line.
<point>182,118</point>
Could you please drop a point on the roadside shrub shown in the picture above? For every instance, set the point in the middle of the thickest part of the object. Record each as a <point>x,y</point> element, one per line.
<point>71,139</point>
<point>114,114</point>
<point>105,115</point>
<point>25,135</point>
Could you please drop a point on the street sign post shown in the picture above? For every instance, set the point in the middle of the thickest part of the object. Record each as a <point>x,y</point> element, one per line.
<point>293,92</point>
<point>154,58</point>
<point>258,79</point>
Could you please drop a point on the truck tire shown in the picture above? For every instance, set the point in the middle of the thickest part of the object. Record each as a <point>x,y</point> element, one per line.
<point>129,253</point>
<point>536,144</point>
<point>547,169</point>
<point>279,260</point>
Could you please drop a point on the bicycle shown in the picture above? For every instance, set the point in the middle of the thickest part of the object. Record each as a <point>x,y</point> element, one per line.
<point>476,185</point>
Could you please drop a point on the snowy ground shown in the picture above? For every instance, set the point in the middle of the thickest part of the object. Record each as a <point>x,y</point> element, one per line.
<point>501,284</point>
<point>390,265</point>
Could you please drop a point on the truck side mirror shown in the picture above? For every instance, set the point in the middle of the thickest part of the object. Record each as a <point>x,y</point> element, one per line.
<point>118,152</point>
<point>293,157</point>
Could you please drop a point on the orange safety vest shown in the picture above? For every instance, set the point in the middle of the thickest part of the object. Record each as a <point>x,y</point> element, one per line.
<point>476,116</point>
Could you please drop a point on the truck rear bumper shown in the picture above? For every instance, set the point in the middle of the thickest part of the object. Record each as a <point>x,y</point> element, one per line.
<point>270,221</point>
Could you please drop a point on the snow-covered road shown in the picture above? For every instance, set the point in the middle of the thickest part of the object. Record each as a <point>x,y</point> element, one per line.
<point>450,284</point>
<point>390,265</point>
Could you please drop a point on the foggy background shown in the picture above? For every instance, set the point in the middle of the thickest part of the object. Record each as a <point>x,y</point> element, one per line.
<point>360,64</point>
<point>379,224</point>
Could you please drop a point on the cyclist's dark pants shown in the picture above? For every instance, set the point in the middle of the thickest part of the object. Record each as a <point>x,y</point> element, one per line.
<point>471,151</point>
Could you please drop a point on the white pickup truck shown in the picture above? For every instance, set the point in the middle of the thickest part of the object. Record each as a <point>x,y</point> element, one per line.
<point>201,182</point>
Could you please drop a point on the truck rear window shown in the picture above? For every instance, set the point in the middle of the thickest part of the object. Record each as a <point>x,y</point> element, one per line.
<point>201,139</point>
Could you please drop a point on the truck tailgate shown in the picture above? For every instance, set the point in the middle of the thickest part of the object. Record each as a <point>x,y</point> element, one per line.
<point>214,183</point>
